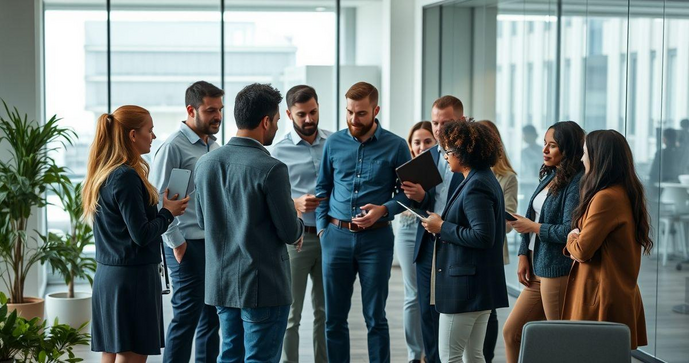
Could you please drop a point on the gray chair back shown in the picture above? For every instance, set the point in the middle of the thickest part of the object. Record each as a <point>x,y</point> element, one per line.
<point>575,341</point>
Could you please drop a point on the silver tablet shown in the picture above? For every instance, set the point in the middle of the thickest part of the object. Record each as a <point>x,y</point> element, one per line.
<point>179,183</point>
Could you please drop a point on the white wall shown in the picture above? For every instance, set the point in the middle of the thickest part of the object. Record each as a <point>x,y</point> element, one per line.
<point>20,85</point>
<point>369,33</point>
<point>398,65</point>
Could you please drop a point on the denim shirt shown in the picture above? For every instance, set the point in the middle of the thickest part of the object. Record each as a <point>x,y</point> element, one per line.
<point>354,174</point>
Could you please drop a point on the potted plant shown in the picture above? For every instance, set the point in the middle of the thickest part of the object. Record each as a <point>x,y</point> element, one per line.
<point>23,340</point>
<point>24,179</point>
<point>73,308</point>
<point>17,335</point>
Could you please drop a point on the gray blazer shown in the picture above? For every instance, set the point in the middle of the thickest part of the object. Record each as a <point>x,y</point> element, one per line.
<point>244,205</point>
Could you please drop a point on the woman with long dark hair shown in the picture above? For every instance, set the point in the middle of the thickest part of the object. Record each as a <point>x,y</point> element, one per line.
<point>542,267</point>
<point>611,229</point>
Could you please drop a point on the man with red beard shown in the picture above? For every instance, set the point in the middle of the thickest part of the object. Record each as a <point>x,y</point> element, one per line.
<point>360,189</point>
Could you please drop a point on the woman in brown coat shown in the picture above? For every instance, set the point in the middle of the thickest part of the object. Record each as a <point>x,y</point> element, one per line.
<point>614,228</point>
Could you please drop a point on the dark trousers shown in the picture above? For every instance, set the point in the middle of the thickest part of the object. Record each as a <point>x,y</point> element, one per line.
<point>430,318</point>
<point>190,314</point>
<point>491,337</point>
<point>345,253</point>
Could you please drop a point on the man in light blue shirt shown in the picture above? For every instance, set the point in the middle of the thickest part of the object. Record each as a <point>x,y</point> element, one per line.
<point>185,250</point>
<point>301,151</point>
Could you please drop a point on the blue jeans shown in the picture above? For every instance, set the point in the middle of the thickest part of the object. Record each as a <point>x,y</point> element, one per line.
<point>252,335</point>
<point>345,253</point>
<point>190,314</point>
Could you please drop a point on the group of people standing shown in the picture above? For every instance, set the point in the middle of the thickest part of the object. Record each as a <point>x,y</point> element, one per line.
<point>319,205</point>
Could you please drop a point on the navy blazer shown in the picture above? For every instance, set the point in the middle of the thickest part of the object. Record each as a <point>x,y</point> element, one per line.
<point>469,268</point>
<point>428,202</point>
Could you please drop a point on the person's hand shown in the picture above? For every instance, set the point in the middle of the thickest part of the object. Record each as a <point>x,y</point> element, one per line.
<point>413,191</point>
<point>179,251</point>
<point>373,214</point>
<point>307,203</point>
<point>433,223</point>
<point>176,207</point>
<point>299,244</point>
<point>524,273</point>
<point>525,225</point>
<point>573,234</point>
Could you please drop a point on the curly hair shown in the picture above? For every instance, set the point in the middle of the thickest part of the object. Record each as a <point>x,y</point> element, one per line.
<point>476,145</point>
<point>569,137</point>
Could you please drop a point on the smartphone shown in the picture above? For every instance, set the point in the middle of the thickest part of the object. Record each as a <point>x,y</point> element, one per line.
<point>509,217</point>
<point>178,184</point>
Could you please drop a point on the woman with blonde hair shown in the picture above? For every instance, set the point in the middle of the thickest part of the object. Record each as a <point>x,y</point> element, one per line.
<point>127,323</point>
<point>507,178</point>
<point>419,140</point>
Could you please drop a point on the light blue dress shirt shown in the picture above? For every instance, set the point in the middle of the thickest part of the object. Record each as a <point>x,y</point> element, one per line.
<point>443,188</point>
<point>303,161</point>
<point>181,150</point>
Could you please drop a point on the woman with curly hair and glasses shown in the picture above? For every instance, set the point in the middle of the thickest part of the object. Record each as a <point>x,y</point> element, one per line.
<point>542,267</point>
<point>468,272</point>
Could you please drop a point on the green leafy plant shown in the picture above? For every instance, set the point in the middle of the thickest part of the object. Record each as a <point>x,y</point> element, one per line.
<point>59,340</point>
<point>79,236</point>
<point>24,179</point>
<point>30,340</point>
<point>17,335</point>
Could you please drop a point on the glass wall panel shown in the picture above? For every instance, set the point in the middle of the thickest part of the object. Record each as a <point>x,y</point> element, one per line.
<point>157,51</point>
<point>525,96</point>
<point>671,146</point>
<point>361,52</point>
<point>618,65</point>
<point>74,90</point>
<point>283,45</point>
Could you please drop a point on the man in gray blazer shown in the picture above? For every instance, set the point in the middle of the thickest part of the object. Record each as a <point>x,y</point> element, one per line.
<point>244,204</point>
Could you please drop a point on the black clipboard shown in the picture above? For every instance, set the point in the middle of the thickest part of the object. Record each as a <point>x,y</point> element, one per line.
<point>420,170</point>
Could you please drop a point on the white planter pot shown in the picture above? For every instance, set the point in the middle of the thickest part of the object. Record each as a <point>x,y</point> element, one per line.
<point>74,311</point>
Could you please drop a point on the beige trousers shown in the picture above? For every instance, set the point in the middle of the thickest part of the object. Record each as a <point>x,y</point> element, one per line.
<point>542,300</point>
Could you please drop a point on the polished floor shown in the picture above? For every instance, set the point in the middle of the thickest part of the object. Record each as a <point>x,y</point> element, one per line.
<point>356,325</point>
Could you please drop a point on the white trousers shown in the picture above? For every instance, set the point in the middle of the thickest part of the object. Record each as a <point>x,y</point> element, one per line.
<point>461,337</point>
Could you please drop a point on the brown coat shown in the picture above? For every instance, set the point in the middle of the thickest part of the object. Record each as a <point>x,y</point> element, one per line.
<point>604,286</point>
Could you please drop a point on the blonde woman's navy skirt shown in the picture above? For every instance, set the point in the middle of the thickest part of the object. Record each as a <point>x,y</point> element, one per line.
<point>127,310</point>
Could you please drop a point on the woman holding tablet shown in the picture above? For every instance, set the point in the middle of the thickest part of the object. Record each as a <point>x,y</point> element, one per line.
<point>127,323</point>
